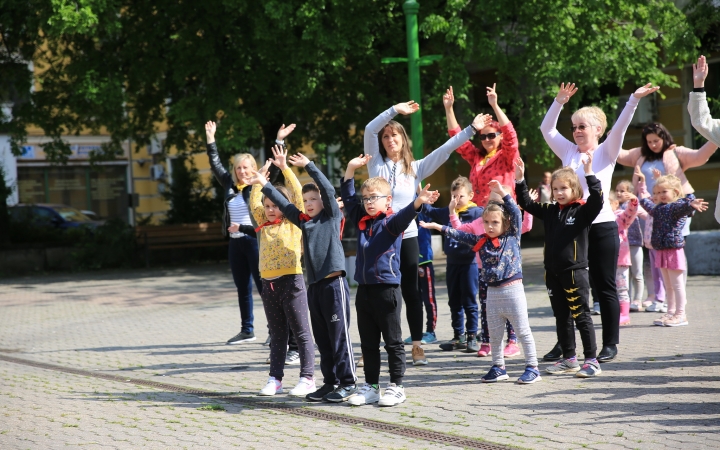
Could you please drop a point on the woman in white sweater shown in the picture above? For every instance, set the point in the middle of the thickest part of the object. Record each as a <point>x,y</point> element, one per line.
<point>588,125</point>
<point>388,144</point>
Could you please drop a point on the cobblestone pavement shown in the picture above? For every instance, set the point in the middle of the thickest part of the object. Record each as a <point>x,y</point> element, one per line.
<point>170,325</point>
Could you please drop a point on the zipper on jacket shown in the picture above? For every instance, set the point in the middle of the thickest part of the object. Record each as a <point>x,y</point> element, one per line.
<point>364,262</point>
<point>575,247</point>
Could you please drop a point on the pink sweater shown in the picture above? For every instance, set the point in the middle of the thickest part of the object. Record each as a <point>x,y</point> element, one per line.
<point>624,219</point>
<point>477,227</point>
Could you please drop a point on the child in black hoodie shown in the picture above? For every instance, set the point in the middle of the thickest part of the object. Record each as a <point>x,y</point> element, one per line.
<point>567,224</point>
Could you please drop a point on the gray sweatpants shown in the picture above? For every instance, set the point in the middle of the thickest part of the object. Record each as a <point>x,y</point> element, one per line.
<point>509,303</point>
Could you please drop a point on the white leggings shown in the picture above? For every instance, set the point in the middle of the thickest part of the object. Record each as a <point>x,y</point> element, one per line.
<point>674,290</point>
<point>509,303</point>
<point>637,280</point>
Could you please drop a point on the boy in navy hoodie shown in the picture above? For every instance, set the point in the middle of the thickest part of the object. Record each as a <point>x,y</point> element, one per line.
<point>377,271</point>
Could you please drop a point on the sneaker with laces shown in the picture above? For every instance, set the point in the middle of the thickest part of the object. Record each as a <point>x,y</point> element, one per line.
<point>241,337</point>
<point>341,393</point>
<point>676,321</point>
<point>457,343</point>
<point>495,374</point>
<point>366,395</point>
<point>511,349</point>
<point>319,395</point>
<point>660,321</point>
<point>428,338</point>
<point>361,362</point>
<point>589,370</point>
<point>292,358</point>
<point>393,395</point>
<point>530,376</point>
<point>272,387</point>
<point>304,387</point>
<point>472,344</point>
<point>563,366</point>
<point>656,307</point>
<point>484,350</point>
<point>596,309</point>
<point>418,356</point>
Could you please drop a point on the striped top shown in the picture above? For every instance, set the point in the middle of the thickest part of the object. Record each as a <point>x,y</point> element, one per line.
<point>239,213</point>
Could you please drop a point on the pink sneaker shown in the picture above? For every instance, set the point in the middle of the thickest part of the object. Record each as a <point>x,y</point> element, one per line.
<point>511,349</point>
<point>484,350</point>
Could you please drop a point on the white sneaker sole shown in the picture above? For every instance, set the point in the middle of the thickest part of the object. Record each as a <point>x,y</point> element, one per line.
<point>681,324</point>
<point>393,402</point>
<point>242,342</point>
<point>263,394</point>
<point>494,380</point>
<point>352,402</point>
<point>304,393</point>
<point>582,375</point>
<point>538,378</point>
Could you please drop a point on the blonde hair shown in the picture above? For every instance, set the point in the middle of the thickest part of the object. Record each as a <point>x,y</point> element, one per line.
<point>237,160</point>
<point>377,183</point>
<point>672,182</point>
<point>593,115</point>
<point>612,197</point>
<point>568,174</point>
<point>494,206</point>
<point>628,186</point>
<point>461,182</point>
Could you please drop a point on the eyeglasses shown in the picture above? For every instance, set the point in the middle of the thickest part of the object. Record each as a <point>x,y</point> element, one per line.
<point>489,135</point>
<point>373,199</point>
<point>579,127</point>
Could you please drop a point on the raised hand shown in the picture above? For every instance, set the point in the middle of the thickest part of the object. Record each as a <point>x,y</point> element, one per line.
<point>427,196</point>
<point>340,203</point>
<point>656,173</point>
<point>638,173</point>
<point>587,163</point>
<point>448,98</point>
<point>280,157</point>
<point>264,169</point>
<point>210,129</point>
<point>700,72</point>
<point>699,205</point>
<point>533,193</point>
<point>453,204</point>
<point>359,161</point>
<point>519,169</point>
<point>481,121</point>
<point>565,93</point>
<point>285,131</point>
<point>497,188</point>
<point>431,225</point>
<point>256,178</point>
<point>646,90</point>
<point>407,108</point>
<point>492,95</point>
<point>299,160</point>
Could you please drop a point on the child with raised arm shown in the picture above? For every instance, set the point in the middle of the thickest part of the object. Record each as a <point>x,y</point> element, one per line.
<point>283,294</point>
<point>567,225</point>
<point>328,290</point>
<point>624,219</point>
<point>669,216</point>
<point>625,191</point>
<point>377,270</point>
<point>501,268</point>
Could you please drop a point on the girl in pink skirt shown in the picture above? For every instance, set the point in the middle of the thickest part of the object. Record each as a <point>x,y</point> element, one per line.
<point>669,216</point>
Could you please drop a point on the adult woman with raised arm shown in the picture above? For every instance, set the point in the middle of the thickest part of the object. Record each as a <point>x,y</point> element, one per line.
<point>494,158</point>
<point>588,125</point>
<point>388,144</point>
<point>238,224</point>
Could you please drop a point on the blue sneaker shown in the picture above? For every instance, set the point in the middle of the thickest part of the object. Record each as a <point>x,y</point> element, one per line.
<point>408,341</point>
<point>495,374</point>
<point>428,338</point>
<point>530,376</point>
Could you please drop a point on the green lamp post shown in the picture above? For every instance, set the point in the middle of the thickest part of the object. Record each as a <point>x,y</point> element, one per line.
<point>411,8</point>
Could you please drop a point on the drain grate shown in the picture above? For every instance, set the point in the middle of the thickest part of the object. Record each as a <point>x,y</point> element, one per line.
<point>400,430</point>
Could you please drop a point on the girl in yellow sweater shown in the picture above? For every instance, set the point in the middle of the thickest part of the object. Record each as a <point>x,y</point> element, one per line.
<point>283,288</point>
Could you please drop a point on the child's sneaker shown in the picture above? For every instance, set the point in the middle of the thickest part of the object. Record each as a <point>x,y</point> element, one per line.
<point>272,387</point>
<point>495,374</point>
<point>366,395</point>
<point>292,358</point>
<point>428,338</point>
<point>418,356</point>
<point>303,388</point>
<point>318,395</point>
<point>361,362</point>
<point>408,340</point>
<point>472,344</point>
<point>660,321</point>
<point>511,349</point>
<point>660,307</point>
<point>393,395</point>
<point>341,393</point>
<point>635,306</point>
<point>484,350</point>
<point>596,309</point>
<point>589,369</point>
<point>563,366</point>
<point>530,376</point>
<point>457,343</point>
<point>676,321</point>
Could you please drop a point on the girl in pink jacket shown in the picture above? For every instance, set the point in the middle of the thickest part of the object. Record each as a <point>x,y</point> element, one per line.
<point>623,218</point>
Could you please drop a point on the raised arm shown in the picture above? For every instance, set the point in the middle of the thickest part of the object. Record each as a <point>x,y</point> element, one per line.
<point>256,206</point>
<point>216,166</point>
<point>695,158</point>
<point>700,118</point>
<point>523,196</point>
<point>290,211</point>
<point>372,129</point>
<point>291,182</point>
<point>327,190</point>
<point>493,100</point>
<point>613,143</point>
<point>468,239</point>
<point>448,101</point>
<point>627,217</point>
<point>353,208</point>
<point>556,141</point>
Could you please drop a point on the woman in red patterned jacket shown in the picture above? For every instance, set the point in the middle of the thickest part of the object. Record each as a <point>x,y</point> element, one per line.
<point>495,157</point>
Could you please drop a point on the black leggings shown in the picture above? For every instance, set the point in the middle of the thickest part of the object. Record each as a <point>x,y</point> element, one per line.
<point>602,261</point>
<point>409,258</point>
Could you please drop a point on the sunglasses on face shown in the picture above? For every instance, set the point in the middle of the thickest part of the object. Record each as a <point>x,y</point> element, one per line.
<point>579,127</point>
<point>489,136</point>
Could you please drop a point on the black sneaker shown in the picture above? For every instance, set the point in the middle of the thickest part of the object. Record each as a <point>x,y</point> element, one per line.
<point>472,344</point>
<point>292,358</point>
<point>341,393</point>
<point>241,337</point>
<point>318,395</point>
<point>457,343</point>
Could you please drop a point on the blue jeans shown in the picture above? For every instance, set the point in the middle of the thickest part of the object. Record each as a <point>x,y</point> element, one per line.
<point>462,284</point>
<point>244,260</point>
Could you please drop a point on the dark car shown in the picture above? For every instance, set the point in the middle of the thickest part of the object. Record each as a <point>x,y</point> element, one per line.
<point>58,216</point>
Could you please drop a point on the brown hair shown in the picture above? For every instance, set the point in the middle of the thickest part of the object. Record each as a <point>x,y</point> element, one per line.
<point>569,175</point>
<point>310,187</point>
<point>282,190</point>
<point>461,182</point>
<point>672,182</point>
<point>378,183</point>
<point>406,155</point>
<point>628,186</point>
<point>494,206</point>
<point>661,132</point>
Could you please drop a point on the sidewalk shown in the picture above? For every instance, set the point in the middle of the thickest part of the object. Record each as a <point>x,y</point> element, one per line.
<point>170,326</point>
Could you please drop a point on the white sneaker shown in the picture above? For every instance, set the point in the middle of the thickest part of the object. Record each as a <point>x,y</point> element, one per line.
<point>304,387</point>
<point>272,387</point>
<point>660,307</point>
<point>366,395</point>
<point>394,395</point>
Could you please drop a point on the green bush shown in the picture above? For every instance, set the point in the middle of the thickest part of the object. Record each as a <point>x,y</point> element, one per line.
<point>111,245</point>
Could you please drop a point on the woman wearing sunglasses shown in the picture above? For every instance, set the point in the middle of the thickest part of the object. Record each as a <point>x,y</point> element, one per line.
<point>495,157</point>
<point>588,125</point>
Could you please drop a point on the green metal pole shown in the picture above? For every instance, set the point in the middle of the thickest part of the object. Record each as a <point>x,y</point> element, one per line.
<point>411,8</point>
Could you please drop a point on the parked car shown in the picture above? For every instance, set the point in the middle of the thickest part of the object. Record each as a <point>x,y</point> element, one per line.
<point>51,215</point>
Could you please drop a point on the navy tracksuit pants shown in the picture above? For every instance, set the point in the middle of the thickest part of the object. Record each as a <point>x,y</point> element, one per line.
<point>462,284</point>
<point>426,286</point>
<point>329,304</point>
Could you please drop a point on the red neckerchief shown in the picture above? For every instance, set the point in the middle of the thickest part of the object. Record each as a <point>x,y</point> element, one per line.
<point>362,225</point>
<point>579,202</point>
<point>267,224</point>
<point>495,242</point>
<point>304,217</point>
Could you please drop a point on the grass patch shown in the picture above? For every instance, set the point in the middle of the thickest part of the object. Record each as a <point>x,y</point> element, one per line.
<point>212,407</point>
